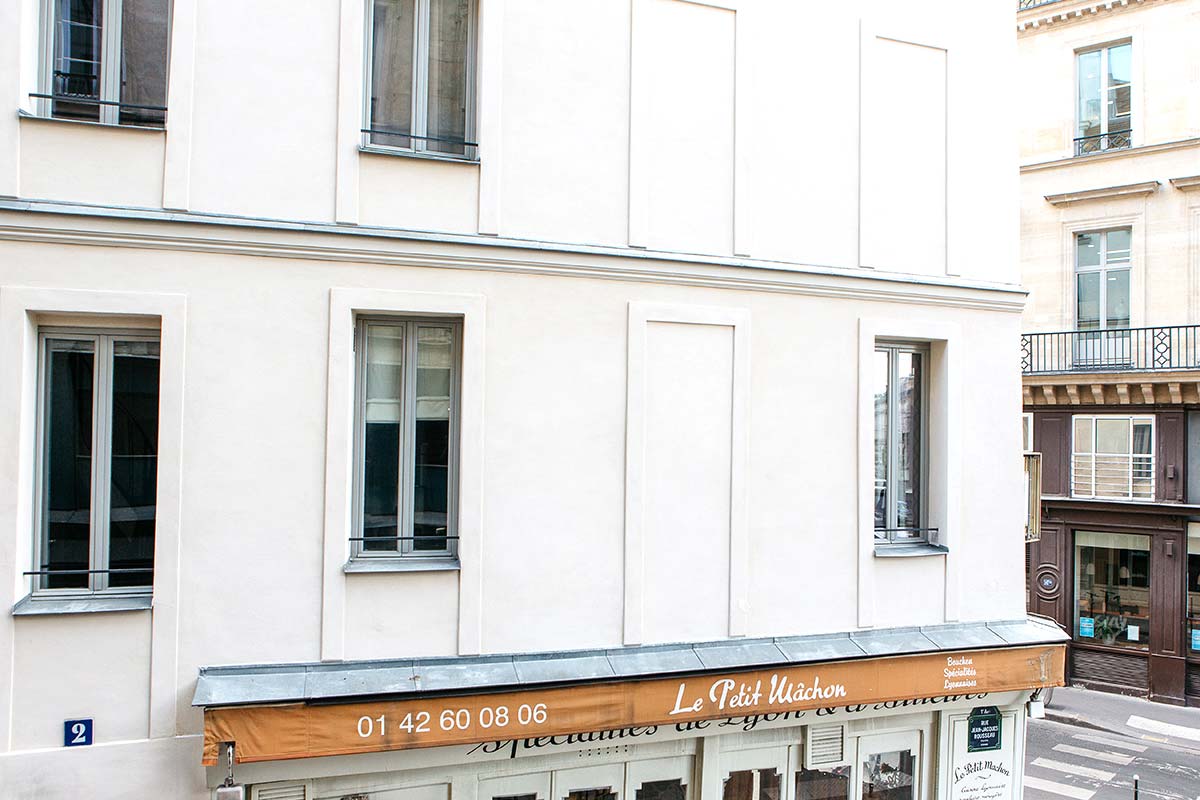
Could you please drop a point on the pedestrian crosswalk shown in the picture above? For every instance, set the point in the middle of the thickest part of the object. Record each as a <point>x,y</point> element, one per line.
<point>1079,768</point>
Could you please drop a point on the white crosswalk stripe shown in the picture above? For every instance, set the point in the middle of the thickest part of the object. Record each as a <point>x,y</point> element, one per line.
<point>1112,758</point>
<point>1074,769</point>
<point>1088,737</point>
<point>1061,789</point>
<point>1165,728</point>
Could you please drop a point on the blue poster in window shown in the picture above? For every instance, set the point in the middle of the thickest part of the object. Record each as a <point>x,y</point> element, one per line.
<point>77,732</point>
<point>1196,639</point>
<point>1087,626</point>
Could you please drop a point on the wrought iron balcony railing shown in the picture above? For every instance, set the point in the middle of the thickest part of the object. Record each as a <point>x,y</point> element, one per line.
<point>1022,5</point>
<point>1111,350</point>
<point>1113,140</point>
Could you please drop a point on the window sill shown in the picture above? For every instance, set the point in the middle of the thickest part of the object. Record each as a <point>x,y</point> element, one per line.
<point>23,114</point>
<point>81,604</point>
<point>447,564</point>
<point>914,550</point>
<point>380,150</point>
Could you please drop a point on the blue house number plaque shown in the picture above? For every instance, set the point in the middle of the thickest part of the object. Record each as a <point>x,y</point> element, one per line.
<point>77,732</point>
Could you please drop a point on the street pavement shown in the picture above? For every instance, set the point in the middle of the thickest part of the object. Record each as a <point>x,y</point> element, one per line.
<point>1092,744</point>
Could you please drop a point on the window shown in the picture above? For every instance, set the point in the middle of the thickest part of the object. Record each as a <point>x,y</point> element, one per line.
<point>1105,112</point>
<point>1193,589</point>
<point>1027,432</point>
<point>106,60</point>
<point>1113,456</point>
<point>899,377</point>
<point>1112,589</point>
<point>421,67</point>
<point>1102,279</point>
<point>98,461</point>
<point>406,437</point>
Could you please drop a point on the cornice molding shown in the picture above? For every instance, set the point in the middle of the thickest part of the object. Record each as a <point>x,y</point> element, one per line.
<point>1189,184</point>
<point>1107,193</point>
<point>1111,155</point>
<point>339,243</point>
<point>1044,16</point>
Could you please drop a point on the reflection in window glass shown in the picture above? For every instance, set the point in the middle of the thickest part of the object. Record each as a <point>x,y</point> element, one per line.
<point>1104,99</point>
<point>753,784</point>
<point>1112,589</point>
<point>898,385</point>
<point>889,775</point>
<point>134,462</point>
<point>662,790</point>
<point>435,354</point>
<point>823,784</point>
<point>879,375</point>
<point>603,793</point>
<point>383,387</point>
<point>1113,456</point>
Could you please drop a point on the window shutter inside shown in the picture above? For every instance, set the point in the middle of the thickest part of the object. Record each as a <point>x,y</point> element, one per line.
<point>280,791</point>
<point>825,746</point>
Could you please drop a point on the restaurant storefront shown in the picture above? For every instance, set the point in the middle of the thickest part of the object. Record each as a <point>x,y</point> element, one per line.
<point>814,717</point>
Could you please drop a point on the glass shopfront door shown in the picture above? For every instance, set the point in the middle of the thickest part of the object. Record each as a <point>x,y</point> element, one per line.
<point>889,766</point>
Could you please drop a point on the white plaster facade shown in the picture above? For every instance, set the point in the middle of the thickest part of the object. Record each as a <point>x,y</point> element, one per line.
<point>666,263</point>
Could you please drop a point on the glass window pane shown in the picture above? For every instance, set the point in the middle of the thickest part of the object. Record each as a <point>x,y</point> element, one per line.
<point>1116,298</point>
<point>661,790</point>
<point>1193,590</point>
<point>823,784</point>
<point>392,44</point>
<point>144,60</point>
<point>1142,440</point>
<point>1083,434</point>
<point>134,465</point>
<point>1112,589</point>
<point>879,377</point>
<point>602,793</point>
<point>67,467</point>
<point>889,775</point>
<point>1120,74</point>
<point>1088,69</point>
<point>384,382</point>
<point>1087,305</point>
<point>908,421</point>
<point>1087,249</point>
<point>1112,435</point>
<point>78,36</point>
<point>1117,245</point>
<point>435,355</point>
<point>752,784</point>
<point>449,22</point>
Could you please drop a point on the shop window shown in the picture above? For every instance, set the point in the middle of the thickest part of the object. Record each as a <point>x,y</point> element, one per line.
<point>1112,589</point>
<point>662,790</point>
<point>889,776</point>
<point>1113,456</point>
<point>753,784</point>
<point>406,437</point>
<point>900,391</point>
<point>1193,591</point>
<point>97,462</point>
<point>831,783</point>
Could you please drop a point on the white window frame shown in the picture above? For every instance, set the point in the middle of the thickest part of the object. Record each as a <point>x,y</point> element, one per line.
<point>112,18</point>
<point>407,454</point>
<point>420,95</point>
<point>1027,432</point>
<point>1103,268</point>
<point>1105,89</point>
<point>1075,454</point>
<point>923,349</point>
<point>102,340</point>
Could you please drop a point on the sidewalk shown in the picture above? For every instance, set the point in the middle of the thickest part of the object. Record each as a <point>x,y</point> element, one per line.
<point>1127,716</point>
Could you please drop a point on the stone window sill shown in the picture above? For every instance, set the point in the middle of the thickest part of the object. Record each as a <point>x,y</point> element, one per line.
<point>81,604</point>
<point>358,565</point>
<point>910,550</point>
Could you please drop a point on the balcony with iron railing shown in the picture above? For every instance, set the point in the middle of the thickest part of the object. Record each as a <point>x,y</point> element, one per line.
<point>1174,347</point>
<point>1025,5</point>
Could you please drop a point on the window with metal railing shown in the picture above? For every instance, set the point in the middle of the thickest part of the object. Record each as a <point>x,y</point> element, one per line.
<point>1104,91</point>
<point>105,61</point>
<point>1112,456</point>
<point>900,381</point>
<point>420,76</point>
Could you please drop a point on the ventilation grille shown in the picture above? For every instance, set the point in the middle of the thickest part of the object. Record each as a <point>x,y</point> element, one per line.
<point>825,746</point>
<point>1193,679</point>
<point>280,791</point>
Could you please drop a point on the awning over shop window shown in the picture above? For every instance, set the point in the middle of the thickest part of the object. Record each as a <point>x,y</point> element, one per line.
<point>299,711</point>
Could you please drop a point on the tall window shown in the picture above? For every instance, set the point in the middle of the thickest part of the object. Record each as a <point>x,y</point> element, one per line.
<point>422,76</point>
<point>1102,260</point>
<point>1113,456</point>
<point>900,391</point>
<point>406,437</point>
<point>1104,96</point>
<point>106,60</point>
<point>98,461</point>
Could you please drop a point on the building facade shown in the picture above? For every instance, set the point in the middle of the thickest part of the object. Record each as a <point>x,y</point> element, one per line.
<point>499,399</point>
<point>1110,238</point>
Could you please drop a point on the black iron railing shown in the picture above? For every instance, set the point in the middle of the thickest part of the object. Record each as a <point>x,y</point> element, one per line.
<point>1113,140</point>
<point>1111,350</point>
<point>1022,5</point>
